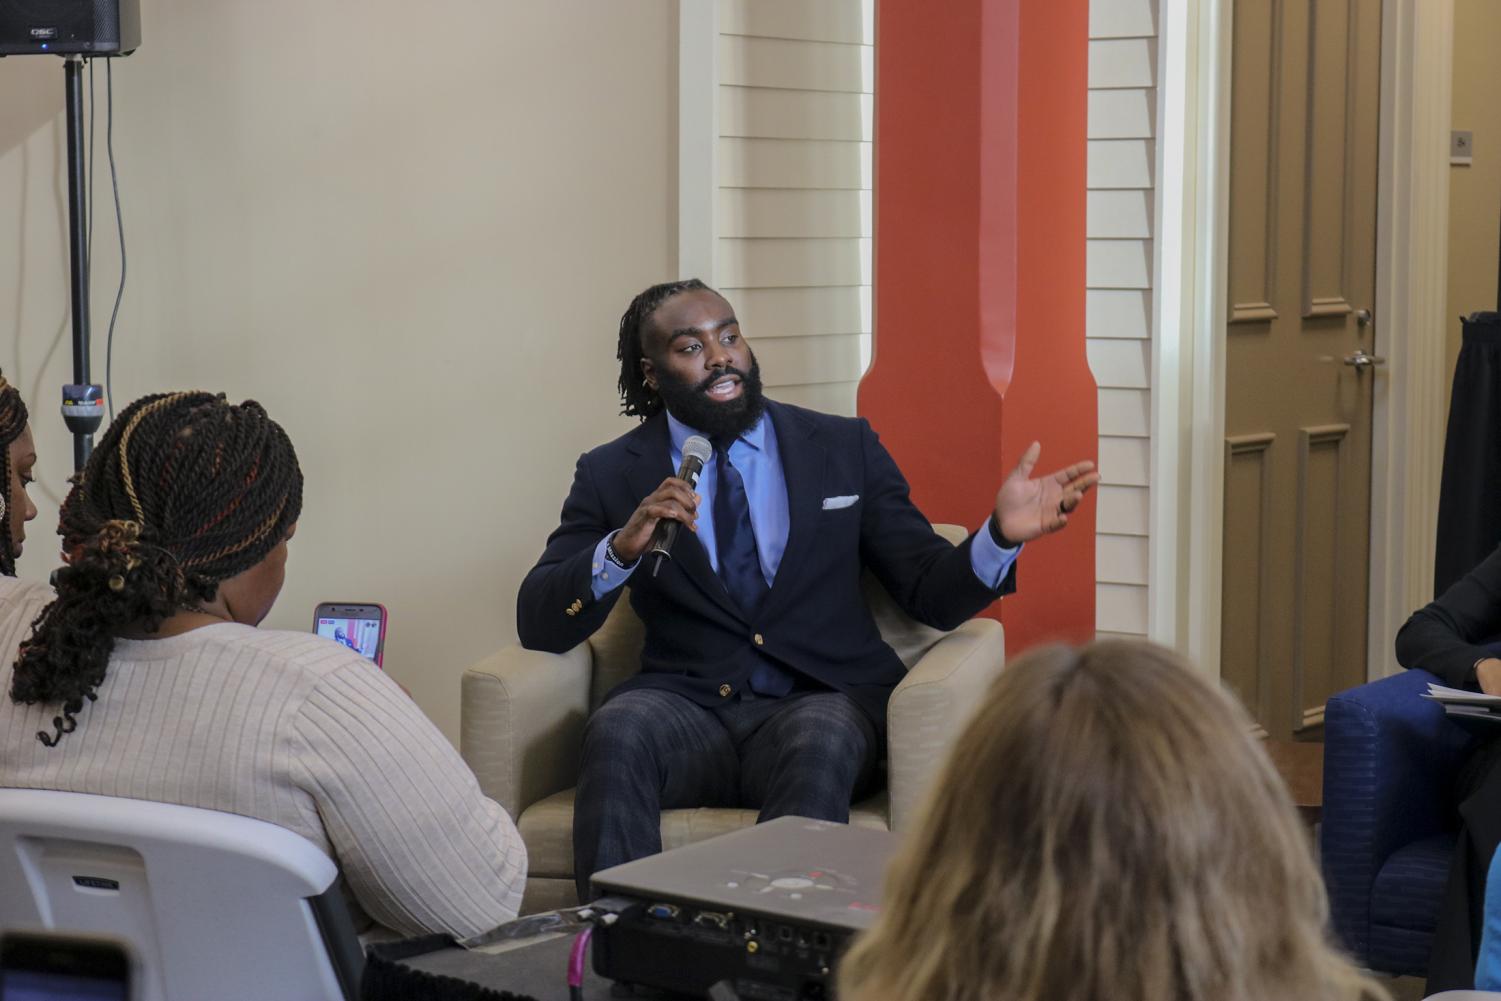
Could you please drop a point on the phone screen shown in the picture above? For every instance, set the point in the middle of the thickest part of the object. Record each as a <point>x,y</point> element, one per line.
<point>32,985</point>
<point>360,635</point>
<point>60,968</point>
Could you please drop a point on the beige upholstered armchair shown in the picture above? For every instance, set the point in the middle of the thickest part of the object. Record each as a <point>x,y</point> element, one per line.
<point>523,718</point>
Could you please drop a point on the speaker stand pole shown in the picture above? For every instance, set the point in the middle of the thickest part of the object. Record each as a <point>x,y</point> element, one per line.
<point>83,402</point>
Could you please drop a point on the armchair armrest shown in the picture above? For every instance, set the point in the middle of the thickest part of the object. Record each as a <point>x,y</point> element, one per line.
<point>1390,762</point>
<point>521,722</point>
<point>930,706</point>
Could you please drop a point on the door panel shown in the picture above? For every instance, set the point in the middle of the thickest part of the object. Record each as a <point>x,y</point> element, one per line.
<point>1253,172</point>
<point>1317,640</point>
<point>1248,504</point>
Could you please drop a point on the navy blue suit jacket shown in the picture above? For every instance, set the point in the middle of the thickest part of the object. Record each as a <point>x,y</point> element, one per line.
<point>815,620</point>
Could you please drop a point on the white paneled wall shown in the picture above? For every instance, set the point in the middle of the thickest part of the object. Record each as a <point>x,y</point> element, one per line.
<point>793,215</point>
<point>1122,152</point>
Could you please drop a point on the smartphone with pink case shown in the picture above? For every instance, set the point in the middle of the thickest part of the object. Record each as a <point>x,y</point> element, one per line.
<point>359,626</point>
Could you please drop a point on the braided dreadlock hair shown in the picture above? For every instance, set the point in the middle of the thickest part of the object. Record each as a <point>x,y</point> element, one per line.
<point>639,399</point>
<point>13,419</point>
<point>184,490</point>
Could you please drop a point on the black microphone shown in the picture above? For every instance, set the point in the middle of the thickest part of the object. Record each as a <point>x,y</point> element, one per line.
<point>696,452</point>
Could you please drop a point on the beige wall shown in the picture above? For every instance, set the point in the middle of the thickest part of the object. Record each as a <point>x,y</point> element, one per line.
<point>408,232</point>
<point>1474,191</point>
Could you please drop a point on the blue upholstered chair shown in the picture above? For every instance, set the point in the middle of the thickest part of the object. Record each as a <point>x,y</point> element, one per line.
<point>1389,818</point>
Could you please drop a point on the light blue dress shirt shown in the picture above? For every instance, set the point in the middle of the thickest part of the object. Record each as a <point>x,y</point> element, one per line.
<point>756,456</point>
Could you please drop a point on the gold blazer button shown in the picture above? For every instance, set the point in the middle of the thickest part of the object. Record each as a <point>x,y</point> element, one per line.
<point>724,691</point>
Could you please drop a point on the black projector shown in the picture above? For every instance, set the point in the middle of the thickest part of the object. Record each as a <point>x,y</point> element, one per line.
<point>767,910</point>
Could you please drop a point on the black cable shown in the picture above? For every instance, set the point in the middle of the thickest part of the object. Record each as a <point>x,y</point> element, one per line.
<point>114,180</point>
<point>88,196</point>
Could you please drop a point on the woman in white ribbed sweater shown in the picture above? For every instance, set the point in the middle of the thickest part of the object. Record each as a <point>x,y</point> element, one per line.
<point>146,677</point>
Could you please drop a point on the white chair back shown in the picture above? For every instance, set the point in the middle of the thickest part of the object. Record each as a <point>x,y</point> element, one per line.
<point>212,905</point>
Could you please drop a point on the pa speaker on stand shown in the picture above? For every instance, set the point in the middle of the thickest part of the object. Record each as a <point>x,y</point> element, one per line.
<point>76,30</point>
<point>69,27</point>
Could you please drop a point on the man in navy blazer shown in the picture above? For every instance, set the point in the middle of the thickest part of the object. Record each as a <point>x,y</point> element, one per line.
<point>763,677</point>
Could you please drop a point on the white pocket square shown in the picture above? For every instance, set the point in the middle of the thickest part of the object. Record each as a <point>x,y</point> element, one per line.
<point>835,503</point>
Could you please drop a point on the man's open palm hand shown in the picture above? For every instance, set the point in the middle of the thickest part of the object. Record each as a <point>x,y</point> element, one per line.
<point>1027,508</point>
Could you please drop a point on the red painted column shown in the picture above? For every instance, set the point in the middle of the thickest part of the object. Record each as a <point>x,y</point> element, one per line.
<point>981,112</point>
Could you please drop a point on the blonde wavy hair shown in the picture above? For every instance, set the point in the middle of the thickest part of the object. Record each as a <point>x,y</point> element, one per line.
<point>1106,827</point>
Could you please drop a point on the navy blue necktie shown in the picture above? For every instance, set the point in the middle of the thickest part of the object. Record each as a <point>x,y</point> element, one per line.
<point>739,561</point>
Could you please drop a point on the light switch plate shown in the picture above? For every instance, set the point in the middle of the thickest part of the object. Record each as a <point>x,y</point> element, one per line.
<point>1461,147</point>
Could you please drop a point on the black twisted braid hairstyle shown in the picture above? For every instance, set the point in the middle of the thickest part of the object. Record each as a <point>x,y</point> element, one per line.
<point>184,490</point>
<point>639,399</point>
<point>13,419</point>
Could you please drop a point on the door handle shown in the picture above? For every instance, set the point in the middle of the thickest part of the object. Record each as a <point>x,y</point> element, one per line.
<point>1360,361</point>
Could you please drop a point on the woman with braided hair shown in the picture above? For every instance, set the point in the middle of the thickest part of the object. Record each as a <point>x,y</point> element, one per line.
<point>148,678</point>
<point>17,457</point>
<point>20,600</point>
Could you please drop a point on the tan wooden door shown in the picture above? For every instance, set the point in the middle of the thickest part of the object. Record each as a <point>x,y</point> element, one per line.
<point>1304,117</point>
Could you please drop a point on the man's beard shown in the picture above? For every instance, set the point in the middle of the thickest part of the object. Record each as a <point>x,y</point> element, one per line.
<point>691,404</point>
